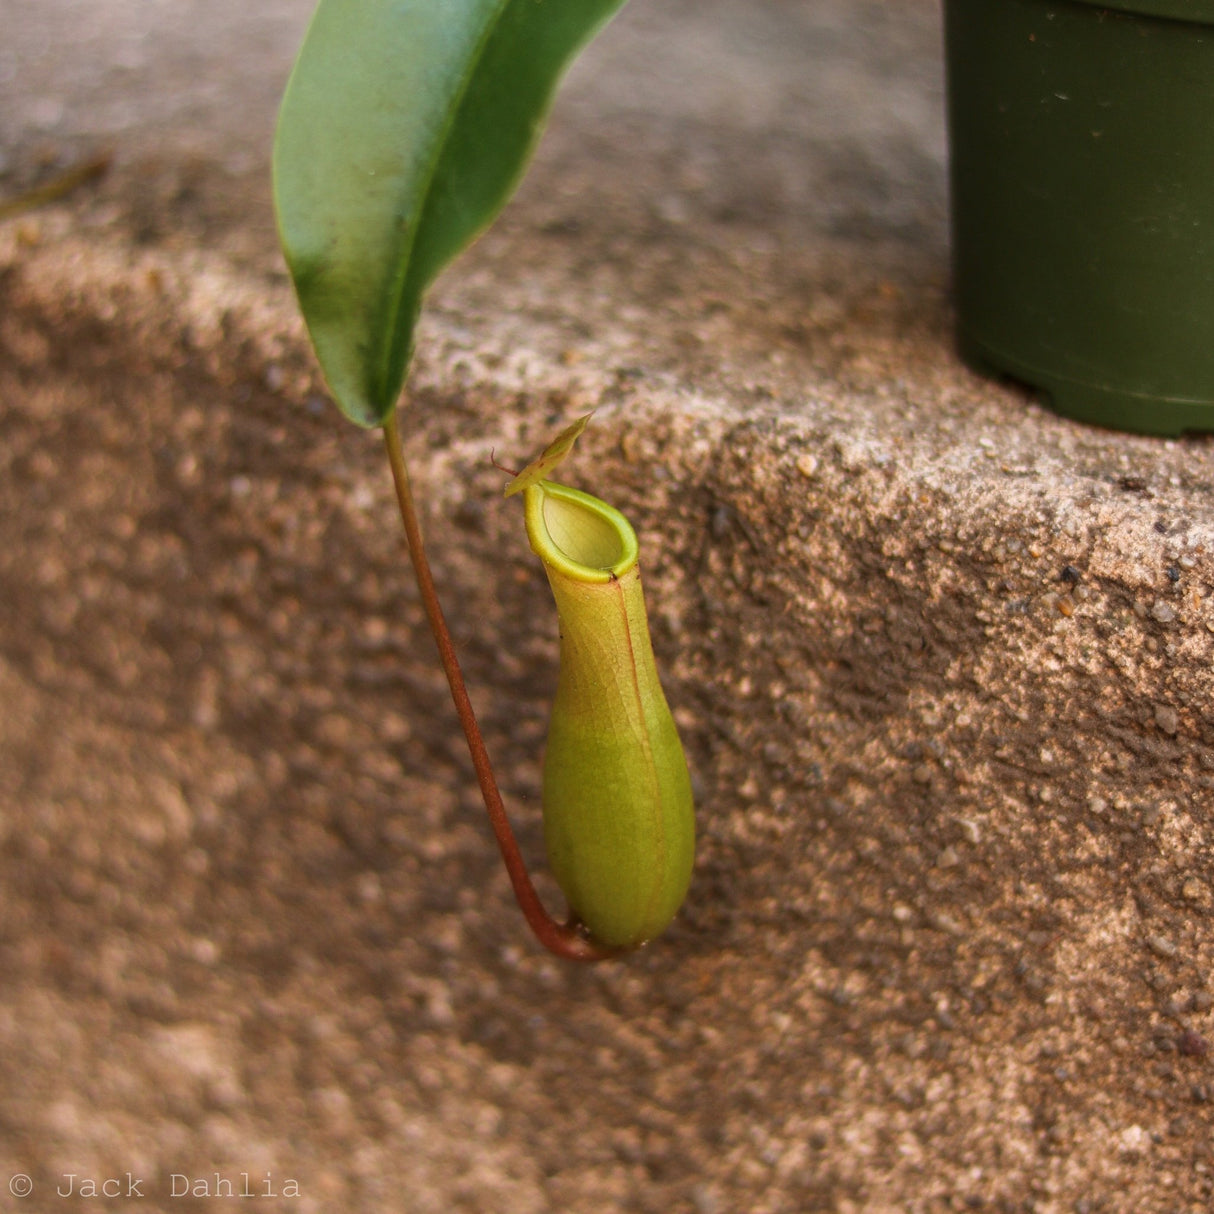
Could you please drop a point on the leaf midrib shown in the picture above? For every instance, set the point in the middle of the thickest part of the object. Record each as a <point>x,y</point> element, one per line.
<point>405,264</point>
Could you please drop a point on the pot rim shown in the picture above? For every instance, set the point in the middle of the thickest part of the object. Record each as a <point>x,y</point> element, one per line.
<point>1192,12</point>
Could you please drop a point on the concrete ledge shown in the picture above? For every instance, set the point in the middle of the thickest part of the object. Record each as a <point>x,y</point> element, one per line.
<point>943,663</point>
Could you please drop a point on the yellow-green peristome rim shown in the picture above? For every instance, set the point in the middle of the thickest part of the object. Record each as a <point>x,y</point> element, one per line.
<point>579,535</point>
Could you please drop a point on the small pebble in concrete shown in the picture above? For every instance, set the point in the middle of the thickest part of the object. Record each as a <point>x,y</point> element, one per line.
<point>807,466</point>
<point>1134,1139</point>
<point>942,921</point>
<point>1070,575</point>
<point>971,830</point>
<point>1161,946</point>
<point>1163,613</point>
<point>1167,719</point>
<point>1195,890</point>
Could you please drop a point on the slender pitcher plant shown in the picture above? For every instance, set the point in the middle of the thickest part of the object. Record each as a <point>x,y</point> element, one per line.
<point>618,819</point>
<point>404,128</point>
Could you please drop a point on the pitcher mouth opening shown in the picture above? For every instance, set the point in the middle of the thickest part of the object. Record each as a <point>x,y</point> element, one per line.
<point>578,534</point>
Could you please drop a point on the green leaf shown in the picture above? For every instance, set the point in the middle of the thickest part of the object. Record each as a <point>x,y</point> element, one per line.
<point>405,127</point>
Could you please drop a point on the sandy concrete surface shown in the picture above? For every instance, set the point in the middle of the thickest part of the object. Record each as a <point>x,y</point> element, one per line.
<point>942,662</point>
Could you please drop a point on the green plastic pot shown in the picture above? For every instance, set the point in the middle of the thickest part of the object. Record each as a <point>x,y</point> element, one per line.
<point>1082,173</point>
